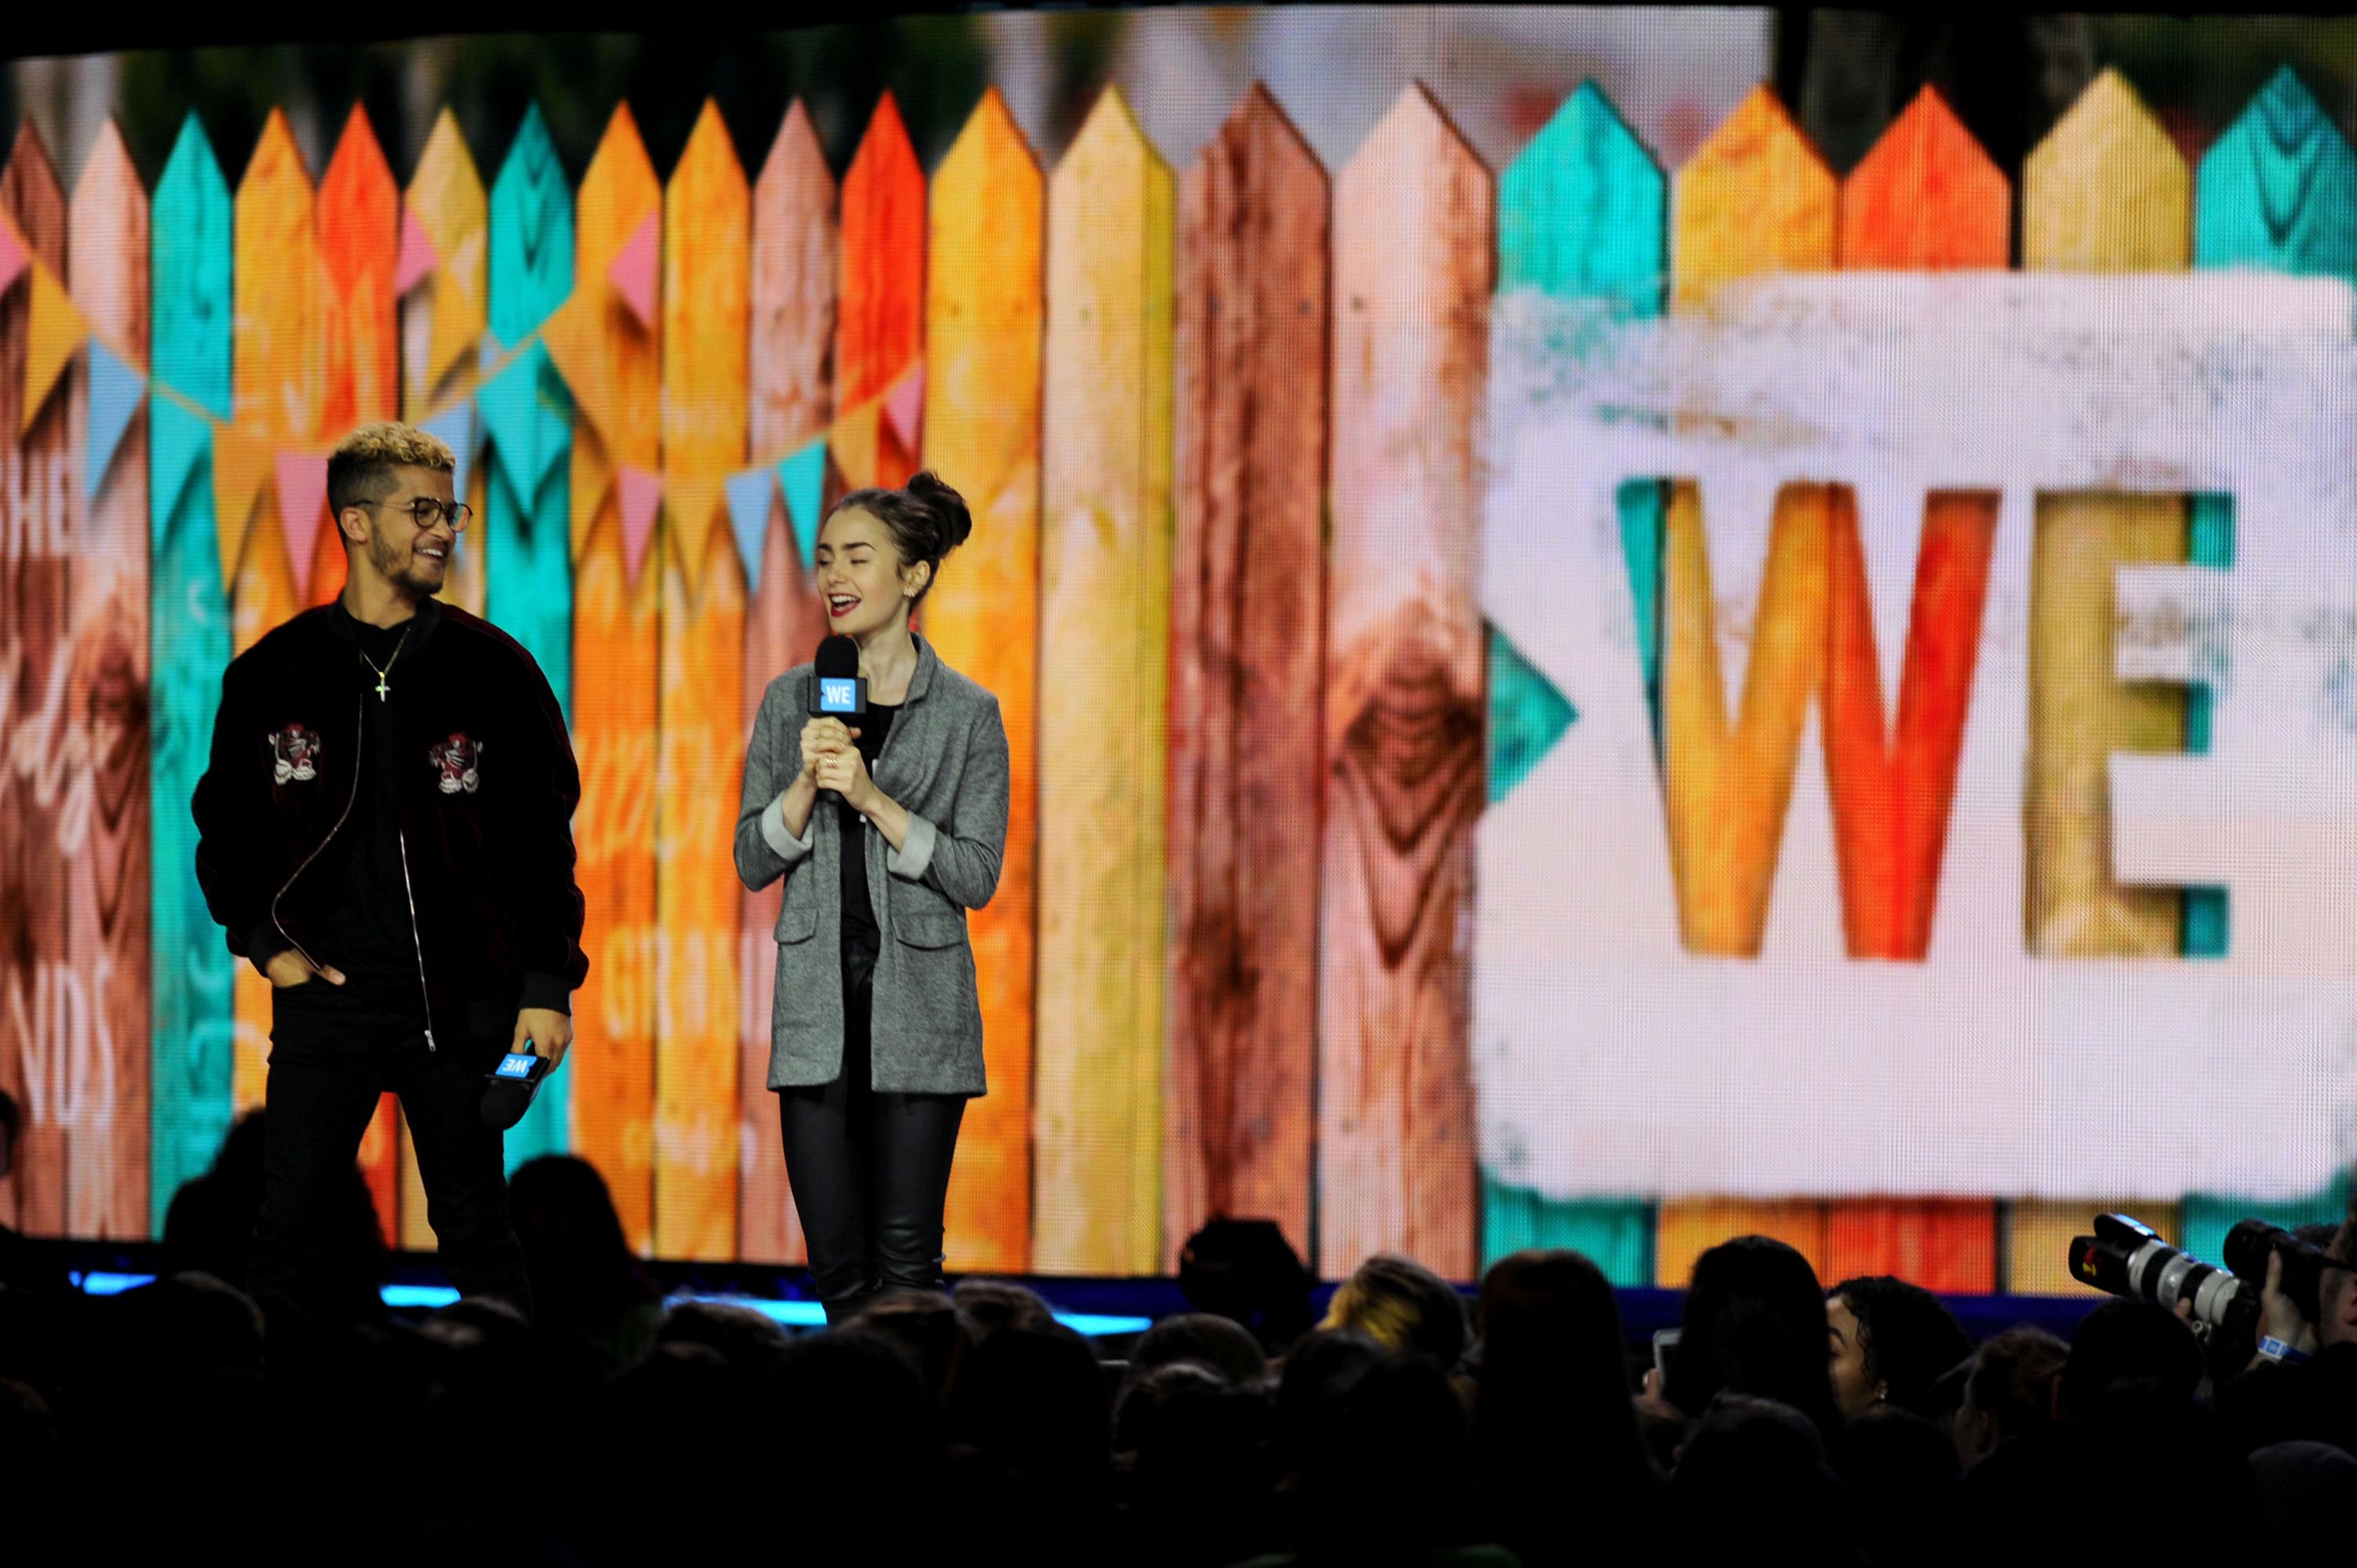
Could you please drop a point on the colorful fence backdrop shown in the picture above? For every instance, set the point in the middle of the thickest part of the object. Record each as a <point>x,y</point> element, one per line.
<point>1221,428</point>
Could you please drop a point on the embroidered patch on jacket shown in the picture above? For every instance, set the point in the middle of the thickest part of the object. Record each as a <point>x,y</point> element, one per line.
<point>460,760</point>
<point>294,752</point>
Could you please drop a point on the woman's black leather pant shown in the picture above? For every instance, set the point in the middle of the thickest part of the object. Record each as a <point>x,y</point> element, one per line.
<point>870,1172</point>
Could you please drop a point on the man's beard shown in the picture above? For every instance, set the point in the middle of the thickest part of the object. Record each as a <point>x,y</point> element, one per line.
<point>400,571</point>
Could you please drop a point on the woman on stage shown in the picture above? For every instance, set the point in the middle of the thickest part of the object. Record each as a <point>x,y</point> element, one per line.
<point>887,829</point>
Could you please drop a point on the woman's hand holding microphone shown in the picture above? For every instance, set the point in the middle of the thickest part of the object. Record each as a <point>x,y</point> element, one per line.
<point>830,761</point>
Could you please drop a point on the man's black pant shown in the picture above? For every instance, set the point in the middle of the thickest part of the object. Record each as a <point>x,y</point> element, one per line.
<point>326,1076</point>
<point>870,1172</point>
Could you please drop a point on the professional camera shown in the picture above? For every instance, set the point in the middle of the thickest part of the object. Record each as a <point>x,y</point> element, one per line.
<point>2128,1256</point>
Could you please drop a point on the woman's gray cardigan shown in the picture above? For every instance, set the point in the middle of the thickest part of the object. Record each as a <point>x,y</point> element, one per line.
<point>945,761</point>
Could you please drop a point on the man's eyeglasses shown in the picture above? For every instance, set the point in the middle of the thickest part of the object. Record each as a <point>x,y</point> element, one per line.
<point>426,512</point>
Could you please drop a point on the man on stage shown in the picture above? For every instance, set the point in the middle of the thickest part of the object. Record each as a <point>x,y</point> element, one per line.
<point>385,831</point>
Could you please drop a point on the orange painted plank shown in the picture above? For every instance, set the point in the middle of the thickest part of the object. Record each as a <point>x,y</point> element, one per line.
<point>1755,199</point>
<point>983,320</point>
<point>276,380</point>
<point>1248,598</point>
<point>790,401</point>
<point>1414,259</point>
<point>614,700</point>
<point>707,267</point>
<point>880,324</point>
<point>359,320</point>
<point>1104,598</point>
<point>41,524</point>
<point>1926,199</point>
<point>107,896</point>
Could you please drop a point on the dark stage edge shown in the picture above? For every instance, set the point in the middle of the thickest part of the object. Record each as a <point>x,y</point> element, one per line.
<point>1643,1309</point>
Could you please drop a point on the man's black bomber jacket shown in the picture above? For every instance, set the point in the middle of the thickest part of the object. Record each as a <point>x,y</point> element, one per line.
<point>486,782</point>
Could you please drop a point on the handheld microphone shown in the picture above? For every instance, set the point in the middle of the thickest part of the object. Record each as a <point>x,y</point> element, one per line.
<point>512,1084</point>
<point>837,688</point>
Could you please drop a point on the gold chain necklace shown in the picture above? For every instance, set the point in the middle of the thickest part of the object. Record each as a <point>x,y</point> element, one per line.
<point>386,668</point>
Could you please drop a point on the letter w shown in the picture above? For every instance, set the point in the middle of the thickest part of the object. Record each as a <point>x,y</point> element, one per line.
<point>1727,787</point>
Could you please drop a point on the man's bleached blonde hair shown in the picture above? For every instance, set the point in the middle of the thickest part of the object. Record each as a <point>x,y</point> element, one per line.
<point>361,469</point>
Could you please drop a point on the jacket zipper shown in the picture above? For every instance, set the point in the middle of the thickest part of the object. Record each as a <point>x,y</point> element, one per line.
<point>409,896</point>
<point>358,729</point>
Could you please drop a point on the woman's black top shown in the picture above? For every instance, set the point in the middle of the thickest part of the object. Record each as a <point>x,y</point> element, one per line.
<point>859,929</point>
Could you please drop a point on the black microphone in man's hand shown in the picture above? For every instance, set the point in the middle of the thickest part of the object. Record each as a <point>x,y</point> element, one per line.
<point>837,688</point>
<point>512,1084</point>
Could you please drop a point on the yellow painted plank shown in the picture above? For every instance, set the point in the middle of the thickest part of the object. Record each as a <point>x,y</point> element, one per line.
<point>1104,605</point>
<point>2039,1233</point>
<point>2106,191</point>
<point>446,312</point>
<point>707,263</point>
<point>1754,199</point>
<point>983,331</point>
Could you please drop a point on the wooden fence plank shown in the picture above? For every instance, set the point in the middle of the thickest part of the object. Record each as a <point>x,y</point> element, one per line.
<point>442,319</point>
<point>283,284</point>
<point>106,1192</point>
<point>707,275</point>
<point>275,375</point>
<point>2106,191</point>
<point>192,1033</point>
<point>2278,192</point>
<point>984,324</point>
<point>614,696</point>
<point>41,517</point>
<point>446,199</point>
<point>880,324</point>
<point>983,320</point>
<point>524,537</point>
<point>1247,609</point>
<point>1582,214</point>
<point>1104,622</point>
<point>1755,199</point>
<point>790,401</point>
<point>1926,199</point>
<point>358,319</point>
<point>1415,257</point>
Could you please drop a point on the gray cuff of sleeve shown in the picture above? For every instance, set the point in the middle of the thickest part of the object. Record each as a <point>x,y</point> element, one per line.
<point>773,831</point>
<point>916,852</point>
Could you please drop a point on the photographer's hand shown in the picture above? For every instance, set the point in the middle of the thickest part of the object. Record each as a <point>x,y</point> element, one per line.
<point>2278,1318</point>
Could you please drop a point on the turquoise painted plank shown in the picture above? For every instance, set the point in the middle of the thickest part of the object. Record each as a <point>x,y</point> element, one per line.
<point>2209,1216</point>
<point>527,539</point>
<point>2277,191</point>
<point>1527,715</point>
<point>193,1018</point>
<point>1583,214</point>
<point>195,240</point>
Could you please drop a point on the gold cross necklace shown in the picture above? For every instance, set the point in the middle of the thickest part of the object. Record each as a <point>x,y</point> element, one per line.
<point>386,668</point>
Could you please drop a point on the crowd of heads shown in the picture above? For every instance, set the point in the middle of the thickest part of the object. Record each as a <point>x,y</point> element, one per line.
<point>1857,1424</point>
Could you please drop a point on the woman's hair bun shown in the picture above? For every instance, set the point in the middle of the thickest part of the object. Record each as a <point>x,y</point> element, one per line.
<point>949,508</point>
